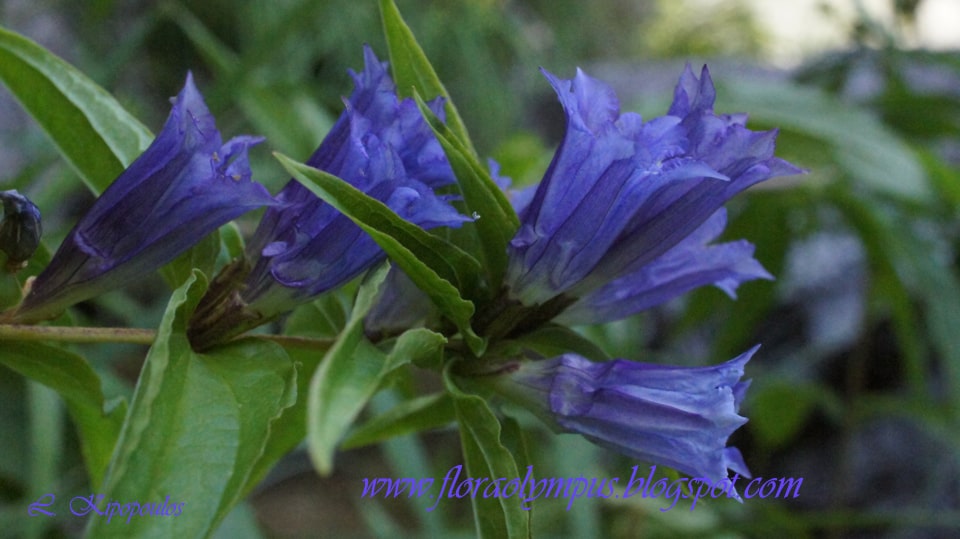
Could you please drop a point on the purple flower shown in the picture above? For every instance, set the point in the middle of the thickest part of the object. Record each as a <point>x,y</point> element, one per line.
<point>675,416</point>
<point>183,187</point>
<point>687,265</point>
<point>304,247</point>
<point>618,220</point>
<point>381,146</point>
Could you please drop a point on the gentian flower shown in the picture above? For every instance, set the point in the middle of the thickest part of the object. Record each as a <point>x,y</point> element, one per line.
<point>183,187</point>
<point>622,216</point>
<point>304,247</point>
<point>675,416</point>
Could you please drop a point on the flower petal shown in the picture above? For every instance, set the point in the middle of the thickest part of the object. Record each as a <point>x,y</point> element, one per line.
<point>690,264</point>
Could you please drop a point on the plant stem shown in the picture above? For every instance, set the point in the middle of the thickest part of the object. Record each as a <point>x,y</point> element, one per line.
<point>21,332</point>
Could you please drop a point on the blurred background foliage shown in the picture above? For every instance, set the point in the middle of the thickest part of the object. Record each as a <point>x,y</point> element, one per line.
<point>857,386</point>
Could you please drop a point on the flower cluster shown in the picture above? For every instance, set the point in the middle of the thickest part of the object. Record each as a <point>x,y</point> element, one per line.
<point>303,247</point>
<point>625,218</point>
<point>622,221</point>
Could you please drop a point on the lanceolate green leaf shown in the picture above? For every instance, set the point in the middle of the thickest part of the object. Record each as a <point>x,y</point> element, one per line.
<point>412,70</point>
<point>96,135</point>
<point>196,427</point>
<point>351,373</point>
<point>345,380</point>
<point>71,376</point>
<point>496,222</point>
<point>486,456</point>
<point>414,415</point>
<point>202,256</point>
<point>431,262</point>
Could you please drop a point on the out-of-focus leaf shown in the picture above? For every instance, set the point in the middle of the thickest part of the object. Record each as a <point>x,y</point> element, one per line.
<point>945,178</point>
<point>95,134</point>
<point>70,375</point>
<point>779,409</point>
<point>905,257</point>
<point>870,152</point>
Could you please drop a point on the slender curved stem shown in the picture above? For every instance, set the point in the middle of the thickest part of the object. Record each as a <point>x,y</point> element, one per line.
<point>20,332</point>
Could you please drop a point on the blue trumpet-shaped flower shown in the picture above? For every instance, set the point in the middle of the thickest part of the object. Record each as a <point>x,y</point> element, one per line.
<point>678,417</point>
<point>383,147</point>
<point>184,186</point>
<point>304,247</point>
<point>618,220</point>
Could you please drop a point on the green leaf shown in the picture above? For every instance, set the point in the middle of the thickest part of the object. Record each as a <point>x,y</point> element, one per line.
<point>231,241</point>
<point>196,427</point>
<point>287,431</point>
<point>486,456</point>
<point>430,262</point>
<point>95,134</point>
<point>346,379</point>
<point>864,147</point>
<point>496,221</point>
<point>202,256</point>
<point>553,340</point>
<point>415,415</point>
<point>351,373</point>
<point>412,70</point>
<point>419,346</point>
<point>324,317</point>
<point>779,409</point>
<point>70,375</point>
<point>912,274</point>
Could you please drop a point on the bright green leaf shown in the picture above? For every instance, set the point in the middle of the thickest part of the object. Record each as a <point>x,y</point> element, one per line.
<point>412,70</point>
<point>345,380</point>
<point>95,134</point>
<point>486,456</point>
<point>430,262</point>
<point>196,427</point>
<point>351,373</point>
<point>287,431</point>
<point>496,221</point>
